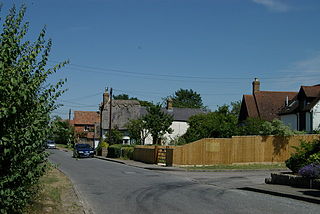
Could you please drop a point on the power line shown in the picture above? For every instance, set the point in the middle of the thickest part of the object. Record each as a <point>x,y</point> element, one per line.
<point>178,76</point>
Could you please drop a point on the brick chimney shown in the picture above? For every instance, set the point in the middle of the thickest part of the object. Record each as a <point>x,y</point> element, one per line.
<point>169,104</point>
<point>105,97</point>
<point>255,85</point>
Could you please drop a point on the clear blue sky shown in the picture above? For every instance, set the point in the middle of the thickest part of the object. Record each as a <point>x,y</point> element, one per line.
<point>151,48</point>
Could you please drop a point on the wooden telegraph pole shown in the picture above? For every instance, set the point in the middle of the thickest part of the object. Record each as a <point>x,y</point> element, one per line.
<point>110,115</point>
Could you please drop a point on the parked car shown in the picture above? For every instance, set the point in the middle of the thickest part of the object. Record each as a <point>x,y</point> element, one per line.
<point>83,150</point>
<point>50,144</point>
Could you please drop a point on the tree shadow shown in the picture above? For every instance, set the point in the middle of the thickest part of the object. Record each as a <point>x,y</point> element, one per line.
<point>314,193</point>
<point>280,143</point>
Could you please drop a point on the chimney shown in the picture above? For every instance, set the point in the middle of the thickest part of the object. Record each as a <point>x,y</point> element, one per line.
<point>169,104</point>
<point>255,85</point>
<point>106,97</point>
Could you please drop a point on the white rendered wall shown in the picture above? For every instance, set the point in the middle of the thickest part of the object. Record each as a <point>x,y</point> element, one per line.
<point>316,116</point>
<point>308,122</point>
<point>179,129</point>
<point>290,120</point>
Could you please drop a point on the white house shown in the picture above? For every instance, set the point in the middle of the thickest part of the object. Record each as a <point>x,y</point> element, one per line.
<point>179,124</point>
<point>303,111</point>
<point>123,111</point>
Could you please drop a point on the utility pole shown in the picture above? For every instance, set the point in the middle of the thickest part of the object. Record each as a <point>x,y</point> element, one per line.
<point>69,115</point>
<point>101,111</point>
<point>110,114</point>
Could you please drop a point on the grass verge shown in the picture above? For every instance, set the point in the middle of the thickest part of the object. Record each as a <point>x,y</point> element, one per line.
<point>237,167</point>
<point>56,195</point>
<point>63,146</point>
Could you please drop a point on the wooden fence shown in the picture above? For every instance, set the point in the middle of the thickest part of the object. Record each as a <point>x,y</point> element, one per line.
<point>238,149</point>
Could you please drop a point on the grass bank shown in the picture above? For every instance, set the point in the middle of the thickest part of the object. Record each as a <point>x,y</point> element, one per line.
<point>56,195</point>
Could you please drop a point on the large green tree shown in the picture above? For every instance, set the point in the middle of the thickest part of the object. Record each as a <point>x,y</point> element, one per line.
<point>26,101</point>
<point>218,124</point>
<point>157,122</point>
<point>187,98</point>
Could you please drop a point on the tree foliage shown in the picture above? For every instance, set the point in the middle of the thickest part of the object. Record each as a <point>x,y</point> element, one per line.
<point>224,123</point>
<point>137,130</point>
<point>126,97</point>
<point>157,122</point>
<point>256,126</point>
<point>218,124</point>
<point>26,100</point>
<point>186,98</point>
<point>115,137</point>
<point>61,131</point>
<point>235,107</point>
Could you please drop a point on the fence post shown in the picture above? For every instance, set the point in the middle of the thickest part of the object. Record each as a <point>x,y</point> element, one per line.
<point>169,156</point>
<point>155,154</point>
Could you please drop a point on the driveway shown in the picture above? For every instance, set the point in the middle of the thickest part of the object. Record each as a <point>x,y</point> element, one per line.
<point>110,187</point>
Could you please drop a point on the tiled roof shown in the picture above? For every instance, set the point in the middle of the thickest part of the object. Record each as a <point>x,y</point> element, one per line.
<point>251,106</point>
<point>179,114</point>
<point>310,91</point>
<point>183,114</point>
<point>309,94</point>
<point>265,104</point>
<point>86,117</point>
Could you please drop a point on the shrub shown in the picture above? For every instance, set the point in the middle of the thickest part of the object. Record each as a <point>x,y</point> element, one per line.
<point>310,171</point>
<point>114,151</point>
<point>102,144</point>
<point>120,150</point>
<point>127,152</point>
<point>26,101</point>
<point>306,153</point>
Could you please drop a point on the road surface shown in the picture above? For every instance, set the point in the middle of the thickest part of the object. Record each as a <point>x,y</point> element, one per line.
<point>110,187</point>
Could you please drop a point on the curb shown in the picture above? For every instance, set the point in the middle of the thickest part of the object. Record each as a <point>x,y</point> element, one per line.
<point>141,167</point>
<point>86,207</point>
<point>287,195</point>
<point>233,170</point>
<point>107,159</point>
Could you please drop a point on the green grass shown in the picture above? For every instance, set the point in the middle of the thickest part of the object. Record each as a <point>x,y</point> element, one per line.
<point>49,180</point>
<point>64,146</point>
<point>237,167</point>
<point>55,194</point>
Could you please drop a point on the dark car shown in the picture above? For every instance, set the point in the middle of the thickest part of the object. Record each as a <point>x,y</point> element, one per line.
<point>83,150</point>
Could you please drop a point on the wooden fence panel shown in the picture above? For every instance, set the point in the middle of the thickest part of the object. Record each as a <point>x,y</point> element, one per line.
<point>238,149</point>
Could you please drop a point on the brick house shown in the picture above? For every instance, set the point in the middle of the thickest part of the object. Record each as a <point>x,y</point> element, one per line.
<point>84,123</point>
<point>263,104</point>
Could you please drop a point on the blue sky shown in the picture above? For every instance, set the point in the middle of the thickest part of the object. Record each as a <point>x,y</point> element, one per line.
<point>151,48</point>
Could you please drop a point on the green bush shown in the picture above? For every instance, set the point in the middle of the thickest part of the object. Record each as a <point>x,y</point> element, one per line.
<point>114,151</point>
<point>120,150</point>
<point>102,144</point>
<point>306,153</point>
<point>127,152</point>
<point>26,101</point>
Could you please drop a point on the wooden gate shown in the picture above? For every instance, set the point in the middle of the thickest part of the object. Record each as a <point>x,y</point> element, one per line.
<point>161,156</point>
<point>164,156</point>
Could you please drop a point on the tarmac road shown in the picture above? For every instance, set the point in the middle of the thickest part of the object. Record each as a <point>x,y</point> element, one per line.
<point>110,187</point>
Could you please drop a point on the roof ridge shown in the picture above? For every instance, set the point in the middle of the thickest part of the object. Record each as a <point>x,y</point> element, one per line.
<point>278,91</point>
